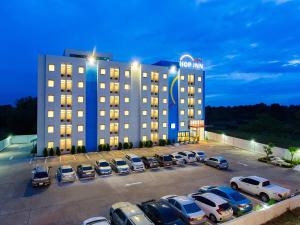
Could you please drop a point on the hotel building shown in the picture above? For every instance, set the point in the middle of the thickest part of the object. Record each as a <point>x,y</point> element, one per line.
<point>88,99</point>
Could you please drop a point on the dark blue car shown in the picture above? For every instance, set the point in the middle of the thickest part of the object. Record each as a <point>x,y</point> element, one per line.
<point>239,203</point>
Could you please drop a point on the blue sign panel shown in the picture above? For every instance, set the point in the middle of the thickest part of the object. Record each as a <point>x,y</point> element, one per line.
<point>91,106</point>
<point>173,105</point>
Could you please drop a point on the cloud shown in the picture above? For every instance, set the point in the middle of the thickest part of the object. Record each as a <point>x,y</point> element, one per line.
<point>278,2</point>
<point>253,45</point>
<point>198,2</point>
<point>240,76</point>
<point>294,62</point>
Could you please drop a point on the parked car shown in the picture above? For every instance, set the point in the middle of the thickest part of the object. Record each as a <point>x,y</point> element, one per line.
<point>186,207</point>
<point>65,173</point>
<point>125,213</point>
<point>239,203</point>
<point>200,155</point>
<point>40,176</point>
<point>135,163</point>
<point>102,167</point>
<point>119,166</point>
<point>150,162</point>
<point>177,159</point>
<point>217,162</point>
<point>96,221</point>
<point>161,213</point>
<point>189,157</point>
<point>86,171</point>
<point>164,160</point>
<point>216,208</point>
<point>260,186</point>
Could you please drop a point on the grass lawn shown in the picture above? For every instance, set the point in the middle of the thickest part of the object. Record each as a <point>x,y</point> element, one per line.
<point>288,218</point>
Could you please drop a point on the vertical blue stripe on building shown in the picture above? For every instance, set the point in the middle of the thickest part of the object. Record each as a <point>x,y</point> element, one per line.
<point>173,106</point>
<point>91,106</point>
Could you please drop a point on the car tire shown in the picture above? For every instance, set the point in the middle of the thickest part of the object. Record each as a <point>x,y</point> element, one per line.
<point>234,186</point>
<point>213,218</point>
<point>218,167</point>
<point>264,197</point>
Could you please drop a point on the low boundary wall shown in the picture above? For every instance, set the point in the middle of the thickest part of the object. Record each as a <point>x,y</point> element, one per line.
<point>17,139</point>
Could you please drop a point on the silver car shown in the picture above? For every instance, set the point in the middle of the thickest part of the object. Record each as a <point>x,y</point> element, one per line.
<point>103,167</point>
<point>187,208</point>
<point>177,159</point>
<point>217,161</point>
<point>200,155</point>
<point>65,173</point>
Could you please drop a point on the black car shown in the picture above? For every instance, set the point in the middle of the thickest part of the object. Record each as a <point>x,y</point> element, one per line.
<point>86,171</point>
<point>40,176</point>
<point>164,160</point>
<point>160,213</point>
<point>150,162</point>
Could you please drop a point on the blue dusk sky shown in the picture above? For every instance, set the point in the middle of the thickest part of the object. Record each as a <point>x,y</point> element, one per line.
<point>251,49</point>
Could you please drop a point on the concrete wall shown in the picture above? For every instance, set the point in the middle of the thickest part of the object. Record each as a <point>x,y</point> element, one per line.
<point>17,139</point>
<point>4,143</point>
<point>248,145</point>
<point>267,214</point>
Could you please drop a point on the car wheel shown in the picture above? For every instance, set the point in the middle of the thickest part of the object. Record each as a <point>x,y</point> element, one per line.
<point>234,186</point>
<point>213,218</point>
<point>264,197</point>
<point>218,167</point>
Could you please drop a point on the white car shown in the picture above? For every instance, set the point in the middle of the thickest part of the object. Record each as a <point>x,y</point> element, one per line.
<point>215,207</point>
<point>135,163</point>
<point>260,186</point>
<point>177,159</point>
<point>66,173</point>
<point>119,166</point>
<point>96,221</point>
<point>189,157</point>
<point>186,207</point>
<point>102,167</point>
<point>200,155</point>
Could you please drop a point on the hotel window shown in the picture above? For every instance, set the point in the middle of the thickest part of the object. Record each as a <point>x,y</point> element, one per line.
<point>80,143</point>
<point>144,125</point>
<point>191,78</point>
<point>80,69</point>
<point>102,71</point>
<point>165,76</point>
<point>69,69</point>
<point>80,99</point>
<point>114,141</point>
<point>126,100</point>
<point>50,83</point>
<point>50,129</point>
<point>199,78</point>
<point>126,140</point>
<point>102,85</point>
<point>127,73</point>
<point>80,113</point>
<point>164,112</point>
<point>145,75</point>
<point>102,127</point>
<point>101,141</point>
<point>182,124</point>
<point>126,126</point>
<point>191,112</point>
<point>199,90</point>
<point>102,113</point>
<point>182,112</point>
<point>50,114</point>
<point>144,100</point>
<point>102,99</point>
<point>144,87</point>
<point>80,128</point>
<point>164,125</point>
<point>80,84</point>
<point>63,114</point>
<point>182,89</point>
<point>181,77</point>
<point>144,112</point>
<point>114,87</point>
<point>199,112</point>
<point>154,76</point>
<point>191,90</point>
<point>50,98</point>
<point>50,144</point>
<point>182,100</point>
<point>191,101</point>
<point>144,138</point>
<point>164,88</point>
<point>51,67</point>
<point>126,87</point>
<point>154,101</point>
<point>114,73</point>
<point>199,101</point>
<point>154,89</point>
<point>114,127</point>
<point>114,114</point>
<point>165,101</point>
<point>164,136</point>
<point>126,113</point>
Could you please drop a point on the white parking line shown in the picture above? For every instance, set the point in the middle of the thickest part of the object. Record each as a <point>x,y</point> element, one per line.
<point>45,160</point>
<point>10,158</point>
<point>30,161</point>
<point>74,157</point>
<point>243,164</point>
<point>131,184</point>
<point>99,155</point>
<point>60,158</point>
<point>87,157</point>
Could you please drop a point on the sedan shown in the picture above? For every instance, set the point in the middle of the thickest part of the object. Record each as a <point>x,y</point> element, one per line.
<point>96,221</point>
<point>177,159</point>
<point>217,162</point>
<point>86,171</point>
<point>65,174</point>
<point>120,166</point>
<point>200,155</point>
<point>102,167</point>
<point>150,162</point>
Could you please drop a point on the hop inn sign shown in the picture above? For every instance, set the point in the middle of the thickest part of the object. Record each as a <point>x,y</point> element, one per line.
<point>188,62</point>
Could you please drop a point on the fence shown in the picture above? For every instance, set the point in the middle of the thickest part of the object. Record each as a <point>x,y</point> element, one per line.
<point>17,139</point>
<point>252,146</point>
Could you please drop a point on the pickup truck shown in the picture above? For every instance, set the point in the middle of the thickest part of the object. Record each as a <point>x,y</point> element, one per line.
<point>261,187</point>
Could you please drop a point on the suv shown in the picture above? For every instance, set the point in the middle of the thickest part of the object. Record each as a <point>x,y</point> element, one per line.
<point>120,166</point>
<point>200,155</point>
<point>189,157</point>
<point>65,174</point>
<point>177,159</point>
<point>164,160</point>
<point>102,167</point>
<point>161,213</point>
<point>260,186</point>
<point>86,171</point>
<point>40,176</point>
<point>218,162</point>
<point>122,213</point>
<point>150,162</point>
<point>135,162</point>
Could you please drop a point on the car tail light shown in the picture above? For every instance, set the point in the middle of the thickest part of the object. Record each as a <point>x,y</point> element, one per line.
<point>191,219</point>
<point>242,206</point>
<point>219,211</point>
<point>279,195</point>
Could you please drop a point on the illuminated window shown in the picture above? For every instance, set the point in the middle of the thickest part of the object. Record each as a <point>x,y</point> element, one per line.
<point>164,88</point>
<point>199,79</point>
<point>182,112</point>
<point>144,138</point>
<point>80,99</point>
<point>50,83</point>
<point>102,99</point>
<point>101,141</point>
<point>144,100</point>
<point>126,86</point>
<point>199,101</point>
<point>164,125</point>
<point>102,71</point>
<point>165,76</point>
<point>80,143</point>
<point>144,112</point>
<point>191,78</point>
<point>181,77</point>
<point>199,112</point>
<point>182,89</point>
<point>80,84</point>
<point>50,98</point>
<point>102,85</point>
<point>80,113</point>
<point>164,136</point>
<point>126,126</point>
<point>51,67</point>
<point>182,124</point>
<point>102,127</point>
<point>126,113</point>
<point>102,113</point>
<point>127,73</point>
<point>145,75</point>
<point>144,87</point>
<point>164,112</point>
<point>126,140</point>
<point>50,144</point>
<point>50,129</point>
<point>182,101</point>
<point>199,90</point>
<point>165,101</point>
<point>80,69</point>
<point>144,125</point>
<point>80,128</point>
<point>50,114</point>
<point>114,73</point>
<point>126,99</point>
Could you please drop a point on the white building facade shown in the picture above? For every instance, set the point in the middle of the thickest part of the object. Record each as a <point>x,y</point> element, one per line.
<point>88,99</point>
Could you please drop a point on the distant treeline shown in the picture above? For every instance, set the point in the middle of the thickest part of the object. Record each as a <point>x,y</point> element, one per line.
<point>264,123</point>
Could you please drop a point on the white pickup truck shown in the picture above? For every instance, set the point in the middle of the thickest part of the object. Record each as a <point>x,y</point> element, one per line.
<point>260,186</point>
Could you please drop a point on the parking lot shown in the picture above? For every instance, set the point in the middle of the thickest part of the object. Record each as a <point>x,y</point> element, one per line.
<point>74,202</point>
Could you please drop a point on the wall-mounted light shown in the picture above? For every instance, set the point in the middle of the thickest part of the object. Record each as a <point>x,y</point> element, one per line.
<point>135,65</point>
<point>172,69</point>
<point>92,60</point>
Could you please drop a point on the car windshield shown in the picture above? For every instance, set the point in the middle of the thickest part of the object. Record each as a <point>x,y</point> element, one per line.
<point>87,168</point>
<point>167,158</point>
<point>191,208</point>
<point>200,153</point>
<point>223,161</point>
<point>168,215</point>
<point>121,163</point>
<point>237,196</point>
<point>103,164</point>
<point>41,175</point>
<point>67,170</point>
<point>191,155</point>
<point>96,222</point>
<point>136,160</point>
<point>178,157</point>
<point>266,183</point>
<point>224,206</point>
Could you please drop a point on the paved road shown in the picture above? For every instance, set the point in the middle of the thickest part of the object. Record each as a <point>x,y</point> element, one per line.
<point>72,203</point>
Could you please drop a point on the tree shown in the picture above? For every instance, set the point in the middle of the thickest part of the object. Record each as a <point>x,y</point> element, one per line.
<point>100,147</point>
<point>268,150</point>
<point>125,145</point>
<point>51,152</point>
<point>45,152</point>
<point>107,147</point>
<point>120,146</point>
<point>79,150</point>
<point>130,145</point>
<point>57,151</point>
<point>73,150</point>
<point>292,151</point>
<point>141,144</point>
<point>83,149</point>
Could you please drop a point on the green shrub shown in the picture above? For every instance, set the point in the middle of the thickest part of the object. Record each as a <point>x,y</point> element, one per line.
<point>57,151</point>
<point>73,150</point>
<point>149,144</point>
<point>45,152</point>
<point>120,146</point>
<point>101,147</point>
<point>78,150</point>
<point>130,145</point>
<point>125,145</point>
<point>51,152</point>
<point>141,144</point>
<point>107,147</point>
<point>168,142</point>
<point>83,149</point>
